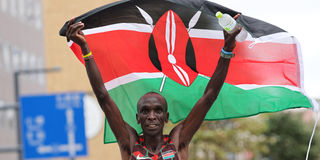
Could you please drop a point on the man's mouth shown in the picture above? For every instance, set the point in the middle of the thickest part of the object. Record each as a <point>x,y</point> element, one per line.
<point>151,126</point>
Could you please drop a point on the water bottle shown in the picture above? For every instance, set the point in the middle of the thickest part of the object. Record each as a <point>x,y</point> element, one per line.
<point>230,25</point>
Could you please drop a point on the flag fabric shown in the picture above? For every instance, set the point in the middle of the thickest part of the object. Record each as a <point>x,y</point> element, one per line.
<point>172,47</point>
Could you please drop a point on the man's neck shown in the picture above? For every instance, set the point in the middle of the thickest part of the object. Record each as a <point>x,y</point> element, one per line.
<point>153,143</point>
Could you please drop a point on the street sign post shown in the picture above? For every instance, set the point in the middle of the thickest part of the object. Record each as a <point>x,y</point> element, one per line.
<point>53,126</point>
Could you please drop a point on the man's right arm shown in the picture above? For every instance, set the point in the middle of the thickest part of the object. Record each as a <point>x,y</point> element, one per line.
<point>122,131</point>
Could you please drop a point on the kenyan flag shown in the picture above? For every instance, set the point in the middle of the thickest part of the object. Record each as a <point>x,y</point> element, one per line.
<point>173,46</point>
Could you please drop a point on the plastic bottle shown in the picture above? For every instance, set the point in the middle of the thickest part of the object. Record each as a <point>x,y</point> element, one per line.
<point>230,25</point>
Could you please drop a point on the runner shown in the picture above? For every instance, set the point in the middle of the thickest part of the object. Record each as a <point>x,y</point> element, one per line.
<point>152,108</point>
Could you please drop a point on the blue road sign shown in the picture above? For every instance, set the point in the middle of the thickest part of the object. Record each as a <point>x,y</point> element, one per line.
<point>53,126</point>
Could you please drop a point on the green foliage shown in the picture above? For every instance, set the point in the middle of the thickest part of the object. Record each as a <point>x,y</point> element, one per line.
<point>224,140</point>
<point>275,136</point>
<point>290,138</point>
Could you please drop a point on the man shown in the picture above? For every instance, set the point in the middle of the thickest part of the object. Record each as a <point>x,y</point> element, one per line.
<point>152,108</point>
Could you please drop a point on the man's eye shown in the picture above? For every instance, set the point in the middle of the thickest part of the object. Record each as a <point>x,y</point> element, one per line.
<point>144,111</point>
<point>159,111</point>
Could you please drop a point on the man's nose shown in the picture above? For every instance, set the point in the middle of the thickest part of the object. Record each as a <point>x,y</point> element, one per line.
<point>152,116</point>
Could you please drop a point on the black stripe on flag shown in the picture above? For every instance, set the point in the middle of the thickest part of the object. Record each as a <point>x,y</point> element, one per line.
<point>127,12</point>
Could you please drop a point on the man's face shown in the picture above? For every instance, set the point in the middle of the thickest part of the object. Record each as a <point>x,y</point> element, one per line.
<point>152,114</point>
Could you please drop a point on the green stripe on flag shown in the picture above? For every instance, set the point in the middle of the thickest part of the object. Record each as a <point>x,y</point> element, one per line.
<point>232,102</point>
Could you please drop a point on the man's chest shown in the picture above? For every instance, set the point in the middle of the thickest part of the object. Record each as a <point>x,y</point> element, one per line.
<point>167,152</point>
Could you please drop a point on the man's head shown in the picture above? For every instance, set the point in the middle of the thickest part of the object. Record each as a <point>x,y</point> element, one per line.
<point>152,113</point>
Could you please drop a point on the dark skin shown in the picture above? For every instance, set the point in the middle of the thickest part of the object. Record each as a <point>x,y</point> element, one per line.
<point>152,115</point>
<point>152,107</point>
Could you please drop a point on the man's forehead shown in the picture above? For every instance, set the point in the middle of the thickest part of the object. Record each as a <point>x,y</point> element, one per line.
<point>152,98</point>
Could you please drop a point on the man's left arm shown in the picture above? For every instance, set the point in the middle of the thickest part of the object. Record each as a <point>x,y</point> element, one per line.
<point>191,124</point>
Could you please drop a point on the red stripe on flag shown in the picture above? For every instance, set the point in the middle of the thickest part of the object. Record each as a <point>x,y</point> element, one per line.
<point>118,53</point>
<point>264,64</point>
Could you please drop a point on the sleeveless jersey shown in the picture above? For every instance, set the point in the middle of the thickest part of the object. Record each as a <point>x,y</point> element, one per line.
<point>167,151</point>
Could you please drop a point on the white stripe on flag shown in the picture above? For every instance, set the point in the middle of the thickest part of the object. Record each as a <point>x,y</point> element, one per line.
<point>281,37</point>
<point>255,86</point>
<point>205,33</point>
<point>131,78</point>
<point>70,43</point>
<point>137,76</point>
<point>120,26</point>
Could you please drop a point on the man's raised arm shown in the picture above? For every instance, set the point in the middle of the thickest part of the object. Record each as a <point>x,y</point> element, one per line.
<point>196,116</point>
<point>119,127</point>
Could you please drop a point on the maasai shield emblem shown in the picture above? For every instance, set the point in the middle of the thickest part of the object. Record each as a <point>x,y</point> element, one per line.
<point>170,47</point>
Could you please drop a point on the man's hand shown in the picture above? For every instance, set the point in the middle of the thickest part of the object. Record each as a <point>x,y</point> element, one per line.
<point>229,38</point>
<point>75,34</point>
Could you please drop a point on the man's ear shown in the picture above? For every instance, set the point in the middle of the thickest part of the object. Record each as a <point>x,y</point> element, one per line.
<point>167,117</point>
<point>138,118</point>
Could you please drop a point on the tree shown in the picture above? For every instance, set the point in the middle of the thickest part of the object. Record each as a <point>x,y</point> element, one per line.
<point>229,139</point>
<point>290,137</point>
<point>274,136</point>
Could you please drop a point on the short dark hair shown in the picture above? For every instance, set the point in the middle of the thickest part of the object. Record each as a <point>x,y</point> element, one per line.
<point>153,93</point>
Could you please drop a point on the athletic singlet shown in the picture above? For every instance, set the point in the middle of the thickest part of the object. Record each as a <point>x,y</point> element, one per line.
<point>167,151</point>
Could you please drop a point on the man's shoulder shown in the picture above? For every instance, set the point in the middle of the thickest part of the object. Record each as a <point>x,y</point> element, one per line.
<point>176,130</point>
<point>133,137</point>
<point>131,131</point>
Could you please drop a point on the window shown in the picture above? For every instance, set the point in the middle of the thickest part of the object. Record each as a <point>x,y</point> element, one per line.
<point>4,5</point>
<point>24,60</point>
<point>15,58</point>
<point>41,77</point>
<point>21,9</point>
<point>29,11</point>
<point>1,58</point>
<point>32,65</point>
<point>13,7</point>
<point>38,16</point>
<point>1,115</point>
<point>6,57</point>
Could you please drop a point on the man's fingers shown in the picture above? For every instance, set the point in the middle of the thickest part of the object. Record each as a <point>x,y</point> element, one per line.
<point>236,16</point>
<point>75,28</point>
<point>80,30</point>
<point>238,29</point>
<point>236,32</point>
<point>68,27</point>
<point>74,32</point>
<point>233,34</point>
<point>81,26</point>
<point>70,22</point>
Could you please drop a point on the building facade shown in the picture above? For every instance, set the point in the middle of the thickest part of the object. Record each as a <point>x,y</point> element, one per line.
<point>29,40</point>
<point>72,76</point>
<point>21,48</point>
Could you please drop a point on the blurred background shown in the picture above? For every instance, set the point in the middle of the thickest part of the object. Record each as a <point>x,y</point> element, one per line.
<point>29,42</point>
